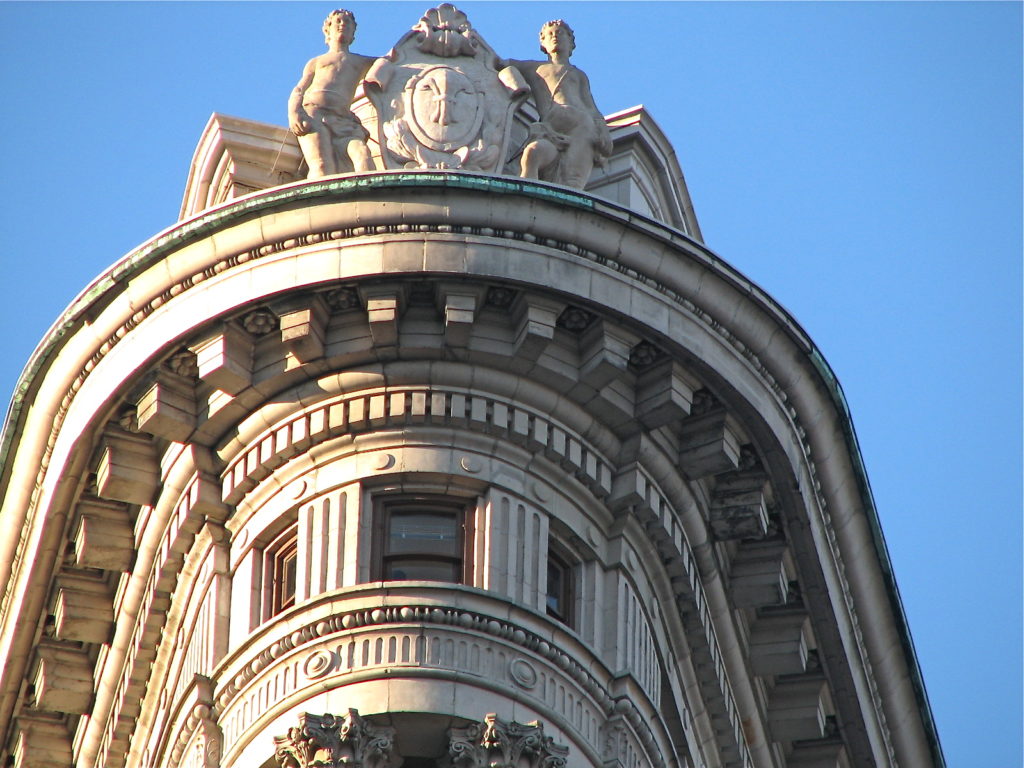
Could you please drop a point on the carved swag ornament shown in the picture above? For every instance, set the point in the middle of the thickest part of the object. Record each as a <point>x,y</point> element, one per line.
<point>335,741</point>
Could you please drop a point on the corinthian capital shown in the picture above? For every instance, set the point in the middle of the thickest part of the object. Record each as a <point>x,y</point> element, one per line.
<point>496,743</point>
<point>335,741</point>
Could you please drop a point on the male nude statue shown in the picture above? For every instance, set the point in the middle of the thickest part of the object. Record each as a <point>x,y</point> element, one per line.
<point>571,134</point>
<point>319,110</point>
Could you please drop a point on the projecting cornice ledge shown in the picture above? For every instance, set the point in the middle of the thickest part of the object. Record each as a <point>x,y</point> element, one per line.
<point>580,227</point>
<point>352,188</point>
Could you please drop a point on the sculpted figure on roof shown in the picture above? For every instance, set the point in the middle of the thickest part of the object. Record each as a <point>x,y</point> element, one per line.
<point>319,110</point>
<point>444,99</point>
<point>571,134</point>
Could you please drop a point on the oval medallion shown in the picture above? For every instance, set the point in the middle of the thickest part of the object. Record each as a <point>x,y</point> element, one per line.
<point>444,107</point>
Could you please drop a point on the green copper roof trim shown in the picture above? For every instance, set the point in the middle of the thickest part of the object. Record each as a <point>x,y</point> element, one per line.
<point>881,550</point>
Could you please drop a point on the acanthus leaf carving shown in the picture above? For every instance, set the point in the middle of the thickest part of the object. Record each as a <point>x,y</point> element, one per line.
<point>335,741</point>
<point>497,743</point>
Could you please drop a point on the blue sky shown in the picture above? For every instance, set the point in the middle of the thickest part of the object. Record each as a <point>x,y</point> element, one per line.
<point>860,161</point>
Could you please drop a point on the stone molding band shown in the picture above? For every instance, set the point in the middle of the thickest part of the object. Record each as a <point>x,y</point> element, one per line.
<point>404,406</point>
<point>318,666</point>
<point>321,662</point>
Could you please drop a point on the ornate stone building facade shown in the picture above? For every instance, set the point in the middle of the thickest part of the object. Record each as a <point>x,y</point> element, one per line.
<point>435,465</point>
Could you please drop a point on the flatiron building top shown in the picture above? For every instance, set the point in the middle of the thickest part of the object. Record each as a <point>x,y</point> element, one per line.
<point>427,438</point>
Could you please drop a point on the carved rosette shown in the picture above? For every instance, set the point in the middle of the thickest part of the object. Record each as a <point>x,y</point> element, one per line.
<point>331,741</point>
<point>440,101</point>
<point>496,743</point>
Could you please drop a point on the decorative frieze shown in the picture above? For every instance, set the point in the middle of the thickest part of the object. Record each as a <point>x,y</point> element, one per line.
<point>416,641</point>
<point>497,743</point>
<point>329,741</point>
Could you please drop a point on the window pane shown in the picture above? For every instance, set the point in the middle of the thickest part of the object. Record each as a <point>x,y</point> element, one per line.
<point>424,533</point>
<point>556,588</point>
<point>287,578</point>
<point>415,569</point>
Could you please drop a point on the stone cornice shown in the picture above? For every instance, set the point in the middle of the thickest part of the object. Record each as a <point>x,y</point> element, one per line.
<point>348,187</point>
<point>798,347</point>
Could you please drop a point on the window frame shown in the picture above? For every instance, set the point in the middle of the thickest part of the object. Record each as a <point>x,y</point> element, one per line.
<point>280,555</point>
<point>385,507</point>
<point>568,566</point>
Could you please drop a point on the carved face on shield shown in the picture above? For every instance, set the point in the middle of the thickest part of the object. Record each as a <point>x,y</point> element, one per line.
<point>445,107</point>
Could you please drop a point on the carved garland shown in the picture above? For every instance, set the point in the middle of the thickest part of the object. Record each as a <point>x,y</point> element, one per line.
<point>567,247</point>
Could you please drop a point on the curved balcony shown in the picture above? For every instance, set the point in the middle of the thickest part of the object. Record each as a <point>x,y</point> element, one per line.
<point>422,647</point>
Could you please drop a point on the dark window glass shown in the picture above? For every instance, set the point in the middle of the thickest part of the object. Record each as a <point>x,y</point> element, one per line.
<point>283,555</point>
<point>559,593</point>
<point>422,540</point>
